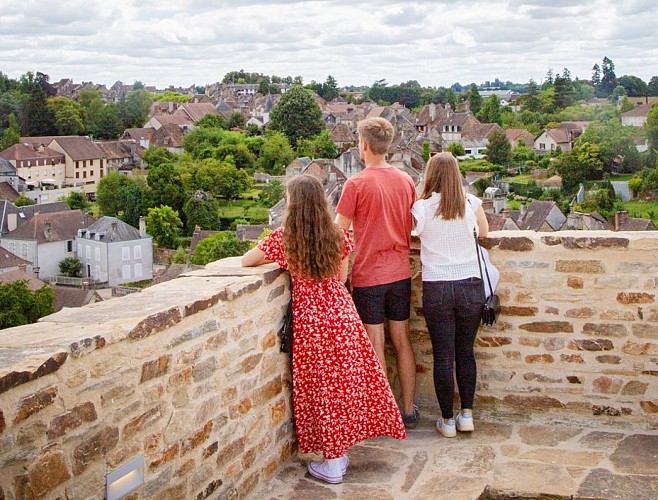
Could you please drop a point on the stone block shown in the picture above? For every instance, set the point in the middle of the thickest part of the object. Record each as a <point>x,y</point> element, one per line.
<point>179,379</point>
<point>15,378</point>
<point>580,266</point>
<point>575,282</point>
<point>530,341</point>
<point>209,489</point>
<point>513,355</point>
<point>143,421</point>
<point>217,341</point>
<point>572,358</point>
<point>547,327</point>
<point>269,340</point>
<point>187,358</point>
<point>194,440</point>
<point>648,349</point>
<point>539,358</point>
<point>3,425</point>
<point>278,412</point>
<point>488,341</point>
<point>94,447</point>
<point>532,401</point>
<point>552,310</point>
<point>605,329</point>
<point>208,409</point>
<point>591,345</point>
<point>155,368</point>
<point>518,311</point>
<point>581,312</point>
<point>60,425</point>
<point>635,298</point>
<point>241,408</point>
<point>268,391</point>
<point>153,393</point>
<point>251,362</point>
<point>33,404</point>
<point>167,455</point>
<point>117,394</point>
<point>554,343</point>
<point>536,377</point>
<point>573,379</point>
<point>202,330</point>
<point>610,411</point>
<point>48,472</point>
<point>242,330</point>
<point>606,385</point>
<point>609,359</point>
<point>230,452</point>
<point>634,388</point>
<point>649,406</point>
<point>617,314</point>
<point>210,450</point>
<point>645,331</point>
<point>205,369</point>
<point>156,323</point>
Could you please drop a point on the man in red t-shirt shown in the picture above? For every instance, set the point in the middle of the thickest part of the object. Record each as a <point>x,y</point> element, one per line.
<point>377,204</point>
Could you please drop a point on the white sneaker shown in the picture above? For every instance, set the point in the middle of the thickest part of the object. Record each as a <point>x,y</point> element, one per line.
<point>464,422</point>
<point>344,464</point>
<point>446,429</point>
<point>328,471</point>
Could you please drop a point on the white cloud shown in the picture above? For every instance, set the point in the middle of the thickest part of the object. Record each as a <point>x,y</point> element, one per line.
<point>433,42</point>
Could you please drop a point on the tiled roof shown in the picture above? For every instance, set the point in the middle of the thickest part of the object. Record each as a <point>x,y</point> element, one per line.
<point>25,213</point>
<point>25,151</point>
<point>66,296</point>
<point>111,229</point>
<point>639,110</point>
<point>32,282</point>
<point>116,150</point>
<point>342,133</point>
<point>7,192</point>
<point>169,136</point>
<point>8,259</point>
<point>138,133</point>
<point>48,228</point>
<point>559,135</point>
<point>79,147</point>
<point>536,214</point>
<point>198,110</point>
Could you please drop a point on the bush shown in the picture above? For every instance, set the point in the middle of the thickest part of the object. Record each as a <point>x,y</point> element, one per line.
<point>70,267</point>
<point>218,246</point>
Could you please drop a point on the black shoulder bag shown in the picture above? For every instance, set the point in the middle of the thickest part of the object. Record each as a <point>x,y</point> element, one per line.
<point>285,333</point>
<point>491,307</point>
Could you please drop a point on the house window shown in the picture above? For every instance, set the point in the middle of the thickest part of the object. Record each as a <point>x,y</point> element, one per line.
<point>542,145</point>
<point>80,249</point>
<point>91,174</point>
<point>77,164</point>
<point>552,147</point>
<point>77,175</point>
<point>88,252</point>
<point>12,248</point>
<point>69,246</point>
<point>84,174</point>
<point>125,254</point>
<point>24,249</point>
<point>137,252</point>
<point>97,272</point>
<point>138,270</point>
<point>97,253</point>
<point>125,272</point>
<point>84,163</point>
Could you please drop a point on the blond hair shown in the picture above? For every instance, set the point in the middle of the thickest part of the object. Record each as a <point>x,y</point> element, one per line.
<point>377,133</point>
<point>442,176</point>
<point>312,242</point>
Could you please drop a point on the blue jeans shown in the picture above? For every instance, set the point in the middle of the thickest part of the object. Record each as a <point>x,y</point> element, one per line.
<point>452,311</point>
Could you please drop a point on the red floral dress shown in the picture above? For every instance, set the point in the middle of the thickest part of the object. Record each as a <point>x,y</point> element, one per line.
<point>341,395</point>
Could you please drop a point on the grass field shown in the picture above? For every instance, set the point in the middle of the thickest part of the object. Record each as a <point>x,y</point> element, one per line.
<point>644,209</point>
<point>242,208</point>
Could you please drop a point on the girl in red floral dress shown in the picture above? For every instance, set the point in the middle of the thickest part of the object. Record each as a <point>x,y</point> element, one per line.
<point>341,395</point>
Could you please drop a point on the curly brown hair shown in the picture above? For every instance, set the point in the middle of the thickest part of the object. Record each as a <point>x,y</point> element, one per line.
<point>312,242</point>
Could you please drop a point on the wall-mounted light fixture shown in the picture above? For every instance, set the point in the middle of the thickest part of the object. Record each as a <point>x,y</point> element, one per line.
<point>125,479</point>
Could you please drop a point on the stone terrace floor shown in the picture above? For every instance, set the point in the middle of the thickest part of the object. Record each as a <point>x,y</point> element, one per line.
<point>520,456</point>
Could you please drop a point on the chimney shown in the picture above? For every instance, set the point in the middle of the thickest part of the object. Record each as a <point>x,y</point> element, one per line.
<point>22,267</point>
<point>620,217</point>
<point>142,227</point>
<point>12,222</point>
<point>48,230</point>
<point>505,213</point>
<point>432,112</point>
<point>149,138</point>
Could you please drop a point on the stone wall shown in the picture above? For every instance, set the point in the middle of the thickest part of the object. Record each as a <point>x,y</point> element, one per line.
<point>578,330</point>
<point>187,373</point>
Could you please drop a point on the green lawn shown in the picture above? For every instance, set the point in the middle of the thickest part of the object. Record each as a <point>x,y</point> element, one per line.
<point>521,179</point>
<point>242,208</point>
<point>644,209</point>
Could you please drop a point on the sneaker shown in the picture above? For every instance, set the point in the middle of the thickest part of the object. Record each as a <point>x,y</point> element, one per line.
<point>464,423</point>
<point>447,430</point>
<point>411,420</point>
<point>344,464</point>
<point>327,471</point>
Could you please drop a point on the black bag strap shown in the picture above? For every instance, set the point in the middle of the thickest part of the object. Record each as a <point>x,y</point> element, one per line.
<point>478,250</point>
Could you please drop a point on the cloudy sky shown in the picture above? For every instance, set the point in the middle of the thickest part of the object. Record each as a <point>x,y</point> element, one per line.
<point>435,42</point>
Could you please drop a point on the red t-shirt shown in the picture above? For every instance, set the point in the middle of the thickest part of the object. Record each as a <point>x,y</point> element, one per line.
<point>378,201</point>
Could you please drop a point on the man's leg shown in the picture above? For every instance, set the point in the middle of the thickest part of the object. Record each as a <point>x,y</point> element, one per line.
<point>406,362</point>
<point>377,338</point>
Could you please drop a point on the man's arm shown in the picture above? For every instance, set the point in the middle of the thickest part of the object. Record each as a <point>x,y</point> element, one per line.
<point>343,222</point>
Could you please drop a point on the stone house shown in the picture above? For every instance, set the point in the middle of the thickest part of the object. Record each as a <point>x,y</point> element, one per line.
<point>114,252</point>
<point>122,156</point>
<point>85,163</point>
<point>46,239</point>
<point>12,216</point>
<point>637,116</point>
<point>539,216</point>
<point>520,135</point>
<point>551,139</point>
<point>37,165</point>
<point>343,137</point>
<point>593,221</point>
<point>625,223</point>
<point>10,262</point>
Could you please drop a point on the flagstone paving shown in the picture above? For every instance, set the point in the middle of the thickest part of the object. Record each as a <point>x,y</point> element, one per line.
<point>556,456</point>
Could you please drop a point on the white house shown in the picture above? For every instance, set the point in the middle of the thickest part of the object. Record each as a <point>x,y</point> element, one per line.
<point>45,240</point>
<point>114,252</point>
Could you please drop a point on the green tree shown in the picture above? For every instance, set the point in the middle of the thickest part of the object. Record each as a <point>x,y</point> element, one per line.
<point>474,99</point>
<point>456,149</point>
<point>166,186</point>
<point>426,151</point>
<point>499,149</point>
<point>263,87</point>
<point>164,224</point>
<point>134,196</point>
<point>134,107</point>
<point>563,95</point>
<point>320,146</point>
<point>91,103</point>
<point>615,142</point>
<point>110,125</point>
<point>651,130</point>
<point>201,212</point>
<point>221,178</point>
<point>530,101</point>
<point>68,115</point>
<point>490,111</point>
<point>297,115</point>
<point>11,134</point>
<point>329,89</point>
<point>171,96</point>
<point>21,306</point>
<point>23,201</point>
<point>76,200</point>
<point>652,86</point>
<point>109,193</point>
<point>272,193</point>
<point>70,266</point>
<point>634,86</point>
<point>218,246</point>
<point>154,157</point>
<point>212,121</point>
<point>584,162</point>
<point>236,120</point>
<point>35,118</point>
<point>275,154</point>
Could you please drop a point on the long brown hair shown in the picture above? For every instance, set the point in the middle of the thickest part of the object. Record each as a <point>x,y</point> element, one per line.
<point>442,176</point>
<point>312,243</point>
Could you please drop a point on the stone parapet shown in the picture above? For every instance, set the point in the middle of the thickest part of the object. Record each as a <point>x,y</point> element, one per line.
<point>187,373</point>
<point>578,329</point>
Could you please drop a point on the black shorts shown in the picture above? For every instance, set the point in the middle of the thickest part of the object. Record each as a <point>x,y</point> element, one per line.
<point>389,301</point>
